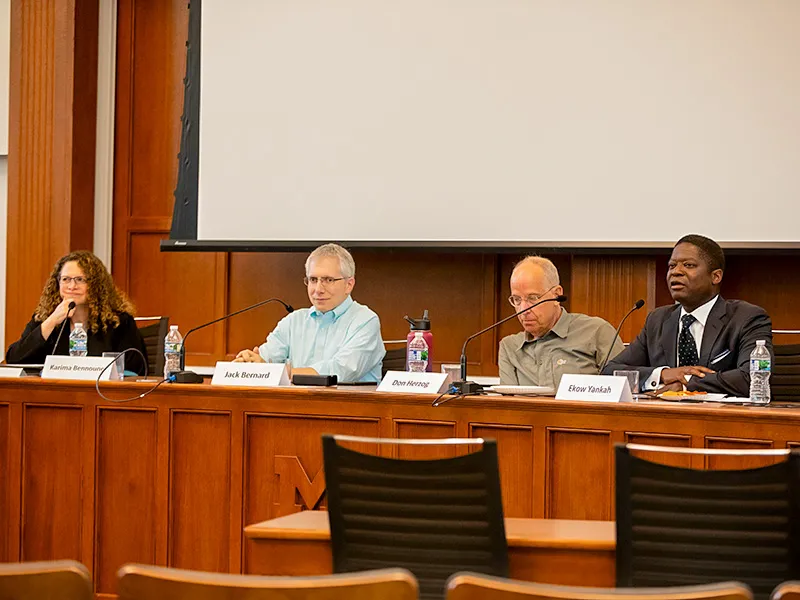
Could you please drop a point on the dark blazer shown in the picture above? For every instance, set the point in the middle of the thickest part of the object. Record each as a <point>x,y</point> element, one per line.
<point>32,348</point>
<point>730,334</point>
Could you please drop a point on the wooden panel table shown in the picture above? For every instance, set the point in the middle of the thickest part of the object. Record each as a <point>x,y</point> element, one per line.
<point>543,550</point>
<point>174,477</point>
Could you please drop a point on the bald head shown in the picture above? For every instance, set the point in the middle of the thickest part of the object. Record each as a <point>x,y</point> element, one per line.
<point>535,278</point>
<point>540,267</point>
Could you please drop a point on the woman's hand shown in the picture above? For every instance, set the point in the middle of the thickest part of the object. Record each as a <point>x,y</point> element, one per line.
<point>57,317</point>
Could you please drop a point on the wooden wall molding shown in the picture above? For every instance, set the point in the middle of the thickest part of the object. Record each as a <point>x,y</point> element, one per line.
<point>52,124</point>
<point>609,286</point>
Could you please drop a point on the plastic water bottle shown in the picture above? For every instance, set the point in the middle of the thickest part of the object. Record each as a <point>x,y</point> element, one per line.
<point>423,325</point>
<point>78,341</point>
<point>418,353</point>
<point>172,351</point>
<point>760,368</point>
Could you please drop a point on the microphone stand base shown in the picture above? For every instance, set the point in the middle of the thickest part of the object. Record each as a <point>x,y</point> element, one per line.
<point>465,388</point>
<point>187,377</point>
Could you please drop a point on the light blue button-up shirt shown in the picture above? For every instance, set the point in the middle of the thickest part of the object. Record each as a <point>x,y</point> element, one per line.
<point>345,341</point>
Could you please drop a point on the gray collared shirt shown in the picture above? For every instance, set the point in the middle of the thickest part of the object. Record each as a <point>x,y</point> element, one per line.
<point>576,344</point>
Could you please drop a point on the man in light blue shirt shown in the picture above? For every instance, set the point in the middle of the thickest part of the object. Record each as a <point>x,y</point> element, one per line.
<point>337,336</point>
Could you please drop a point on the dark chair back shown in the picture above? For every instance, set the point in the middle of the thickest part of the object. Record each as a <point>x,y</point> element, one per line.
<point>395,360</point>
<point>51,580</point>
<point>154,330</point>
<point>679,526</point>
<point>784,382</point>
<point>143,582</point>
<point>469,586</point>
<point>432,517</point>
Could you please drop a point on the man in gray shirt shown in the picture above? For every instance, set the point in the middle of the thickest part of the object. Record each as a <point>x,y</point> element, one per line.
<point>554,342</point>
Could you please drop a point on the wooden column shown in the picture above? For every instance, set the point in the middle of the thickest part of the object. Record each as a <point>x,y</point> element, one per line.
<point>608,287</point>
<point>52,122</point>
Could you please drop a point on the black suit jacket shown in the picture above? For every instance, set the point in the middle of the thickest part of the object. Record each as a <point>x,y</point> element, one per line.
<point>32,348</point>
<point>730,334</point>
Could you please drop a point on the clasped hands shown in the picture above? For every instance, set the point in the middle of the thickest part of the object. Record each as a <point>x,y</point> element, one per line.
<point>253,356</point>
<point>674,379</point>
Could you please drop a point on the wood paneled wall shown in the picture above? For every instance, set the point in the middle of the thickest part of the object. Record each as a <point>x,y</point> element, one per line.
<point>52,121</point>
<point>463,291</point>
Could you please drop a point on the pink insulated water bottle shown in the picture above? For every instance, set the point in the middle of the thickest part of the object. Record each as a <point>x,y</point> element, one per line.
<point>419,348</point>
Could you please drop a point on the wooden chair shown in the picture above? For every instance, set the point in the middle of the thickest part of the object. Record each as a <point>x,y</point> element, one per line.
<point>51,580</point>
<point>141,582</point>
<point>678,526</point>
<point>432,517</point>
<point>788,590</point>
<point>153,335</point>
<point>471,586</point>
<point>785,380</point>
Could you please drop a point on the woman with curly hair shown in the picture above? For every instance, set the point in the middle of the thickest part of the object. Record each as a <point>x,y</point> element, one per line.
<point>105,312</point>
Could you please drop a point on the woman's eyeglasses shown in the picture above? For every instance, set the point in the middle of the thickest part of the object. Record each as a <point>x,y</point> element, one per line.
<point>65,280</point>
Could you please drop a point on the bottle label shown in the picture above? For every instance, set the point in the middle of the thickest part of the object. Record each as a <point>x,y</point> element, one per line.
<point>418,355</point>
<point>760,364</point>
<point>77,345</point>
<point>172,347</point>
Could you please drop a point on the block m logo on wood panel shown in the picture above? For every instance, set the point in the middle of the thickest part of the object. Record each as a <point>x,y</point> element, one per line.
<point>296,490</point>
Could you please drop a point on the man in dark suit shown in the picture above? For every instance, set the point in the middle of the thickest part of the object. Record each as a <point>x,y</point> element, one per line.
<point>703,342</point>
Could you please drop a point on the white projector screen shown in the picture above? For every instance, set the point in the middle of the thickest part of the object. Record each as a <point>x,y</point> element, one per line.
<point>576,122</point>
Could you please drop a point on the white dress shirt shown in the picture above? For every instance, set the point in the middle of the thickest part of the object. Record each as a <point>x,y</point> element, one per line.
<point>697,328</point>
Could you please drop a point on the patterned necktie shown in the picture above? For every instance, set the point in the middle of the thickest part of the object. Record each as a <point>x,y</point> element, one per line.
<point>687,349</point>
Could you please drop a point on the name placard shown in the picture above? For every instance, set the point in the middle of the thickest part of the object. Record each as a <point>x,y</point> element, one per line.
<point>85,368</point>
<point>413,383</point>
<point>11,372</point>
<point>250,374</point>
<point>594,388</point>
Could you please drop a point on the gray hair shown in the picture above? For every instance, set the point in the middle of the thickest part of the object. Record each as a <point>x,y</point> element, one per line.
<point>546,265</point>
<point>346,263</point>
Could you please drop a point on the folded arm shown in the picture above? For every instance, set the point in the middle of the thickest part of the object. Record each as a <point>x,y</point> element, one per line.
<point>31,347</point>
<point>736,382</point>
<point>633,358</point>
<point>358,355</point>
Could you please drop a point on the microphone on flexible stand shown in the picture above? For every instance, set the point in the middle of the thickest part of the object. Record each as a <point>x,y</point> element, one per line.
<point>70,306</point>
<point>464,387</point>
<point>639,304</point>
<point>184,376</point>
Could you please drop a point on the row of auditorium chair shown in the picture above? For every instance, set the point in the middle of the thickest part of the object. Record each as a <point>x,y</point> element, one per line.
<point>435,518</point>
<point>70,580</point>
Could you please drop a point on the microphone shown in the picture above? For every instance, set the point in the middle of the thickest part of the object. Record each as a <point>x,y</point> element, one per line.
<point>639,304</point>
<point>465,387</point>
<point>183,376</point>
<point>70,306</point>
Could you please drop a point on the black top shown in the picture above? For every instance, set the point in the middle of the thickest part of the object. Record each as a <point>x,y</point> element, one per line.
<point>32,348</point>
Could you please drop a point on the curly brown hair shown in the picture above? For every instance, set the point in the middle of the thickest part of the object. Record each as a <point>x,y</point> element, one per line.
<point>104,299</point>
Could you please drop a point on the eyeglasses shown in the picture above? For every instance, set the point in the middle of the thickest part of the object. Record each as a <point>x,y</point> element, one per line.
<point>67,280</point>
<point>324,281</point>
<point>516,301</point>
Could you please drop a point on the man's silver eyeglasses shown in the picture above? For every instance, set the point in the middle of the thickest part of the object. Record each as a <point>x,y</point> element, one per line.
<point>325,281</point>
<point>516,301</point>
<point>67,280</point>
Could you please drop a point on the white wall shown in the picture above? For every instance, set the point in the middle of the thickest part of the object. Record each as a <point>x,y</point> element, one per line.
<point>5,28</point>
<point>5,42</point>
